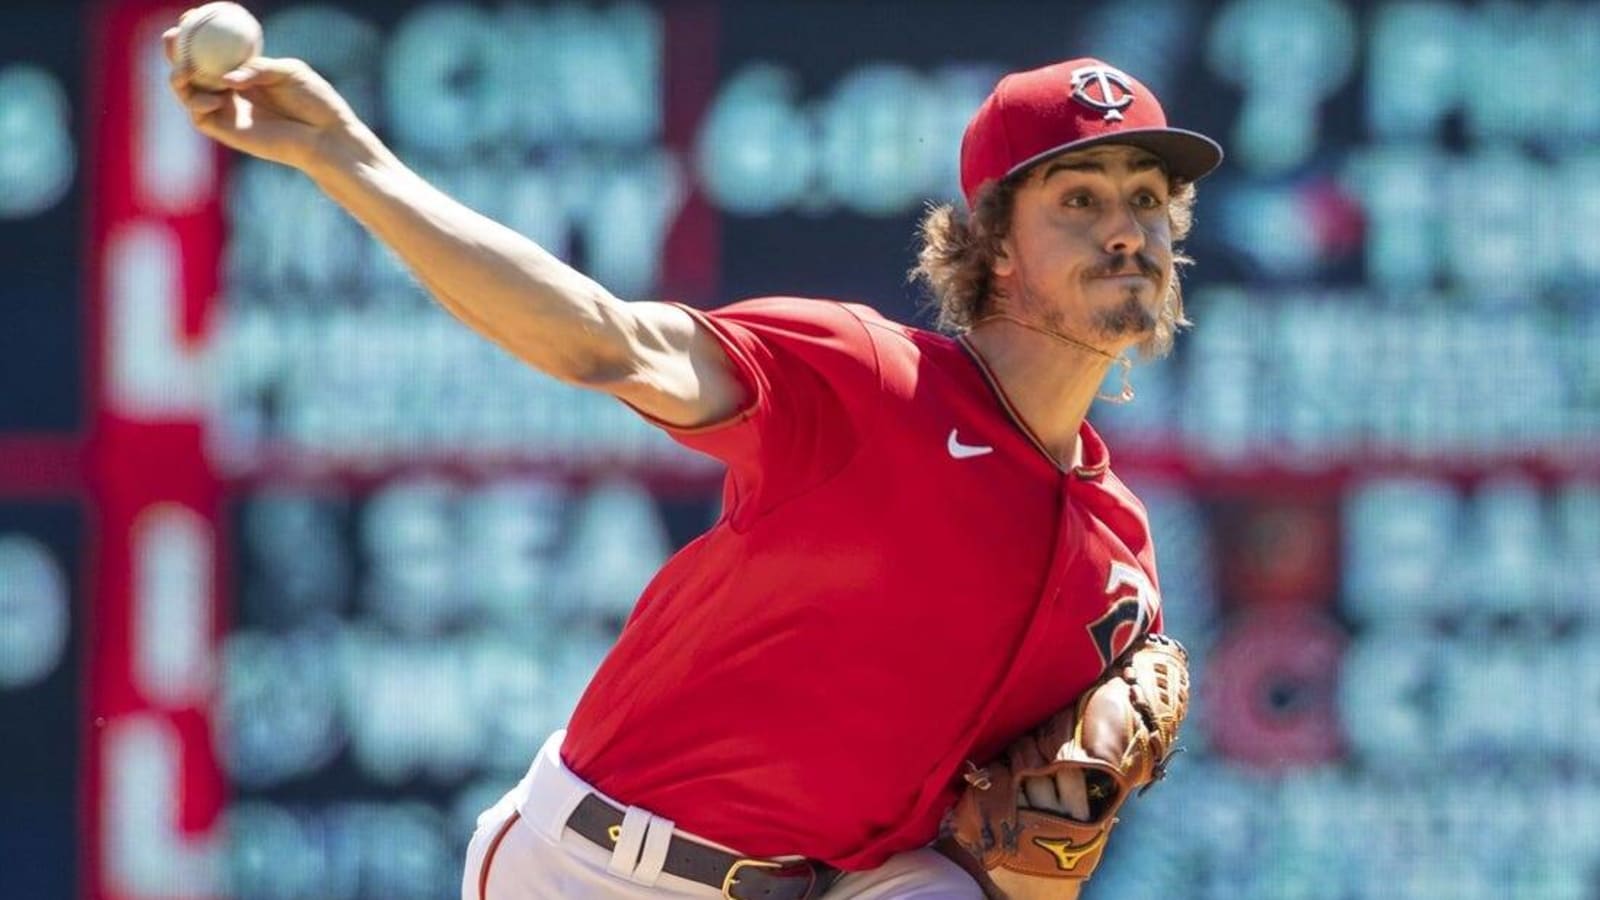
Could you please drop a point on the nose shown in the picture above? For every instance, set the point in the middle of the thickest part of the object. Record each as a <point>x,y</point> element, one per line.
<point>1124,235</point>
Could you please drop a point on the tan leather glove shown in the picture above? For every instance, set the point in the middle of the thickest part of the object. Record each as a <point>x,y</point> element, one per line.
<point>1118,738</point>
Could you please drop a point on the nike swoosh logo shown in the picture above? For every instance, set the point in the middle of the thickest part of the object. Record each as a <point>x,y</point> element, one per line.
<point>965,451</point>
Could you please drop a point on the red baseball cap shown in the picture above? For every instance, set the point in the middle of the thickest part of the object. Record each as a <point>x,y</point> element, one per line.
<point>1067,106</point>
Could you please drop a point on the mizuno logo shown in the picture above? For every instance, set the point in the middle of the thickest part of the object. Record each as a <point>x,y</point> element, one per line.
<point>1067,853</point>
<point>965,451</point>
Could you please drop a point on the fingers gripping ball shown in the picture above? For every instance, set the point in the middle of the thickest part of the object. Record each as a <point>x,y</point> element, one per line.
<point>1118,737</point>
<point>215,39</point>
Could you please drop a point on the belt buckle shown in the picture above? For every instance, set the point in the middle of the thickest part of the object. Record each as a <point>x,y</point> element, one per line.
<point>731,879</point>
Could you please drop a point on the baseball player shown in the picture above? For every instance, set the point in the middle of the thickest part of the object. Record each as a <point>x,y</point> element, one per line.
<point>927,610</point>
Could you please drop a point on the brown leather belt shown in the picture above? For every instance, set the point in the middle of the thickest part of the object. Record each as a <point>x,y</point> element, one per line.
<point>738,877</point>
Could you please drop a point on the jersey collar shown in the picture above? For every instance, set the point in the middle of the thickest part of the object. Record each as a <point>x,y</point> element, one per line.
<point>1096,456</point>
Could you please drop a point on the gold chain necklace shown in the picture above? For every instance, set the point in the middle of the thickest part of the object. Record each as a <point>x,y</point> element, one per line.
<point>1124,396</point>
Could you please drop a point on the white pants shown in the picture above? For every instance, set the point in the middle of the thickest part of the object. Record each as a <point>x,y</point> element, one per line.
<point>523,851</point>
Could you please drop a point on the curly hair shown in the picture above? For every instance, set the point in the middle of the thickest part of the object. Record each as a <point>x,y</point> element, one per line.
<point>956,260</point>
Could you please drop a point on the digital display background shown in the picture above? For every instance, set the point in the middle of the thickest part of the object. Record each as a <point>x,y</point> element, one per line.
<point>41,210</point>
<point>41,696</point>
<point>43,520</point>
<point>347,564</point>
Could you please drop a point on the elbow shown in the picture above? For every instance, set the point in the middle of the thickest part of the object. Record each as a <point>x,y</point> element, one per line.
<point>598,351</point>
<point>599,372</point>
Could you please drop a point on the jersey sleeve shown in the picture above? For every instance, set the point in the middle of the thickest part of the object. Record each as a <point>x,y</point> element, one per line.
<point>813,388</point>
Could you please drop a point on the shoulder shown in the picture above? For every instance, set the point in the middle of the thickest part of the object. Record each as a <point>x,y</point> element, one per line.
<point>835,327</point>
<point>799,309</point>
<point>907,351</point>
<point>801,316</point>
<point>814,329</point>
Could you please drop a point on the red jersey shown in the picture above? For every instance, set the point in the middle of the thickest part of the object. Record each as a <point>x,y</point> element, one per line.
<point>902,579</point>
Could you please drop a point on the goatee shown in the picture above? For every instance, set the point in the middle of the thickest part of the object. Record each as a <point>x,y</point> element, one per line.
<point>1131,317</point>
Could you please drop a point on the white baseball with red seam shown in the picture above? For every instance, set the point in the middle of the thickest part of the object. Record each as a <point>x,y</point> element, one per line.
<point>215,39</point>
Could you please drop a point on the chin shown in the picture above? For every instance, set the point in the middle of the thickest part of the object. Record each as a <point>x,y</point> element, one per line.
<point>1134,316</point>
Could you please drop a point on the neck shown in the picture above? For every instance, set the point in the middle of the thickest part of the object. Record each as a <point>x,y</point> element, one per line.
<point>1051,378</point>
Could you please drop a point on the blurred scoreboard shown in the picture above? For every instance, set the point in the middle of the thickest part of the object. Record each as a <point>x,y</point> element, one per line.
<point>43,515</point>
<point>348,564</point>
<point>41,688</point>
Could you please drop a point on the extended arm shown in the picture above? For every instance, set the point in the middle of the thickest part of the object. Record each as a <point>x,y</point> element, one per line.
<point>507,288</point>
<point>523,298</point>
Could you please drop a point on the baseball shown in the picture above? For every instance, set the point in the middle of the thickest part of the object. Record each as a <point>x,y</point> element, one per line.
<point>214,39</point>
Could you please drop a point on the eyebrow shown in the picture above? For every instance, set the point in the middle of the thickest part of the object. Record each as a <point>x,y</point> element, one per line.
<point>1142,164</point>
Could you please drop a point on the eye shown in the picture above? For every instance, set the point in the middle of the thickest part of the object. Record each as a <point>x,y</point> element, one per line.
<point>1148,200</point>
<point>1078,200</point>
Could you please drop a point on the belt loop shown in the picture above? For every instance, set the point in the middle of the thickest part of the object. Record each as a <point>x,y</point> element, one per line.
<point>657,837</point>
<point>625,854</point>
<point>549,793</point>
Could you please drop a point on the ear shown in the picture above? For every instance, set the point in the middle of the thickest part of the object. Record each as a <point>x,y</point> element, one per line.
<point>1004,265</point>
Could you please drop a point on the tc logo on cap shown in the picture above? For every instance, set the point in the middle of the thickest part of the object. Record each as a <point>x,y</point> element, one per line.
<point>1114,88</point>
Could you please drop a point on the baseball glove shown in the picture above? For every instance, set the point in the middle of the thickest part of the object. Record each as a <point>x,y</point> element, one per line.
<point>1118,737</point>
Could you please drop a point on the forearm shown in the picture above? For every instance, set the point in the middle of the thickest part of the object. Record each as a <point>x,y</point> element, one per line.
<point>501,284</point>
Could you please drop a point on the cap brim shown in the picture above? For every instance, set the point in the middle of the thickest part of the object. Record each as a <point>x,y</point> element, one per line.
<point>1189,155</point>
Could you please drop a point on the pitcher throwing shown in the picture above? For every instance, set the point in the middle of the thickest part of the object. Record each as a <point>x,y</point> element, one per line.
<point>926,607</point>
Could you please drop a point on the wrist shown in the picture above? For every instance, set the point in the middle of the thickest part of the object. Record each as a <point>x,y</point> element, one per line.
<point>341,149</point>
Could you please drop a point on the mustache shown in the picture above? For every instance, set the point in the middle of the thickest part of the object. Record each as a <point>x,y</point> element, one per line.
<point>1127,264</point>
